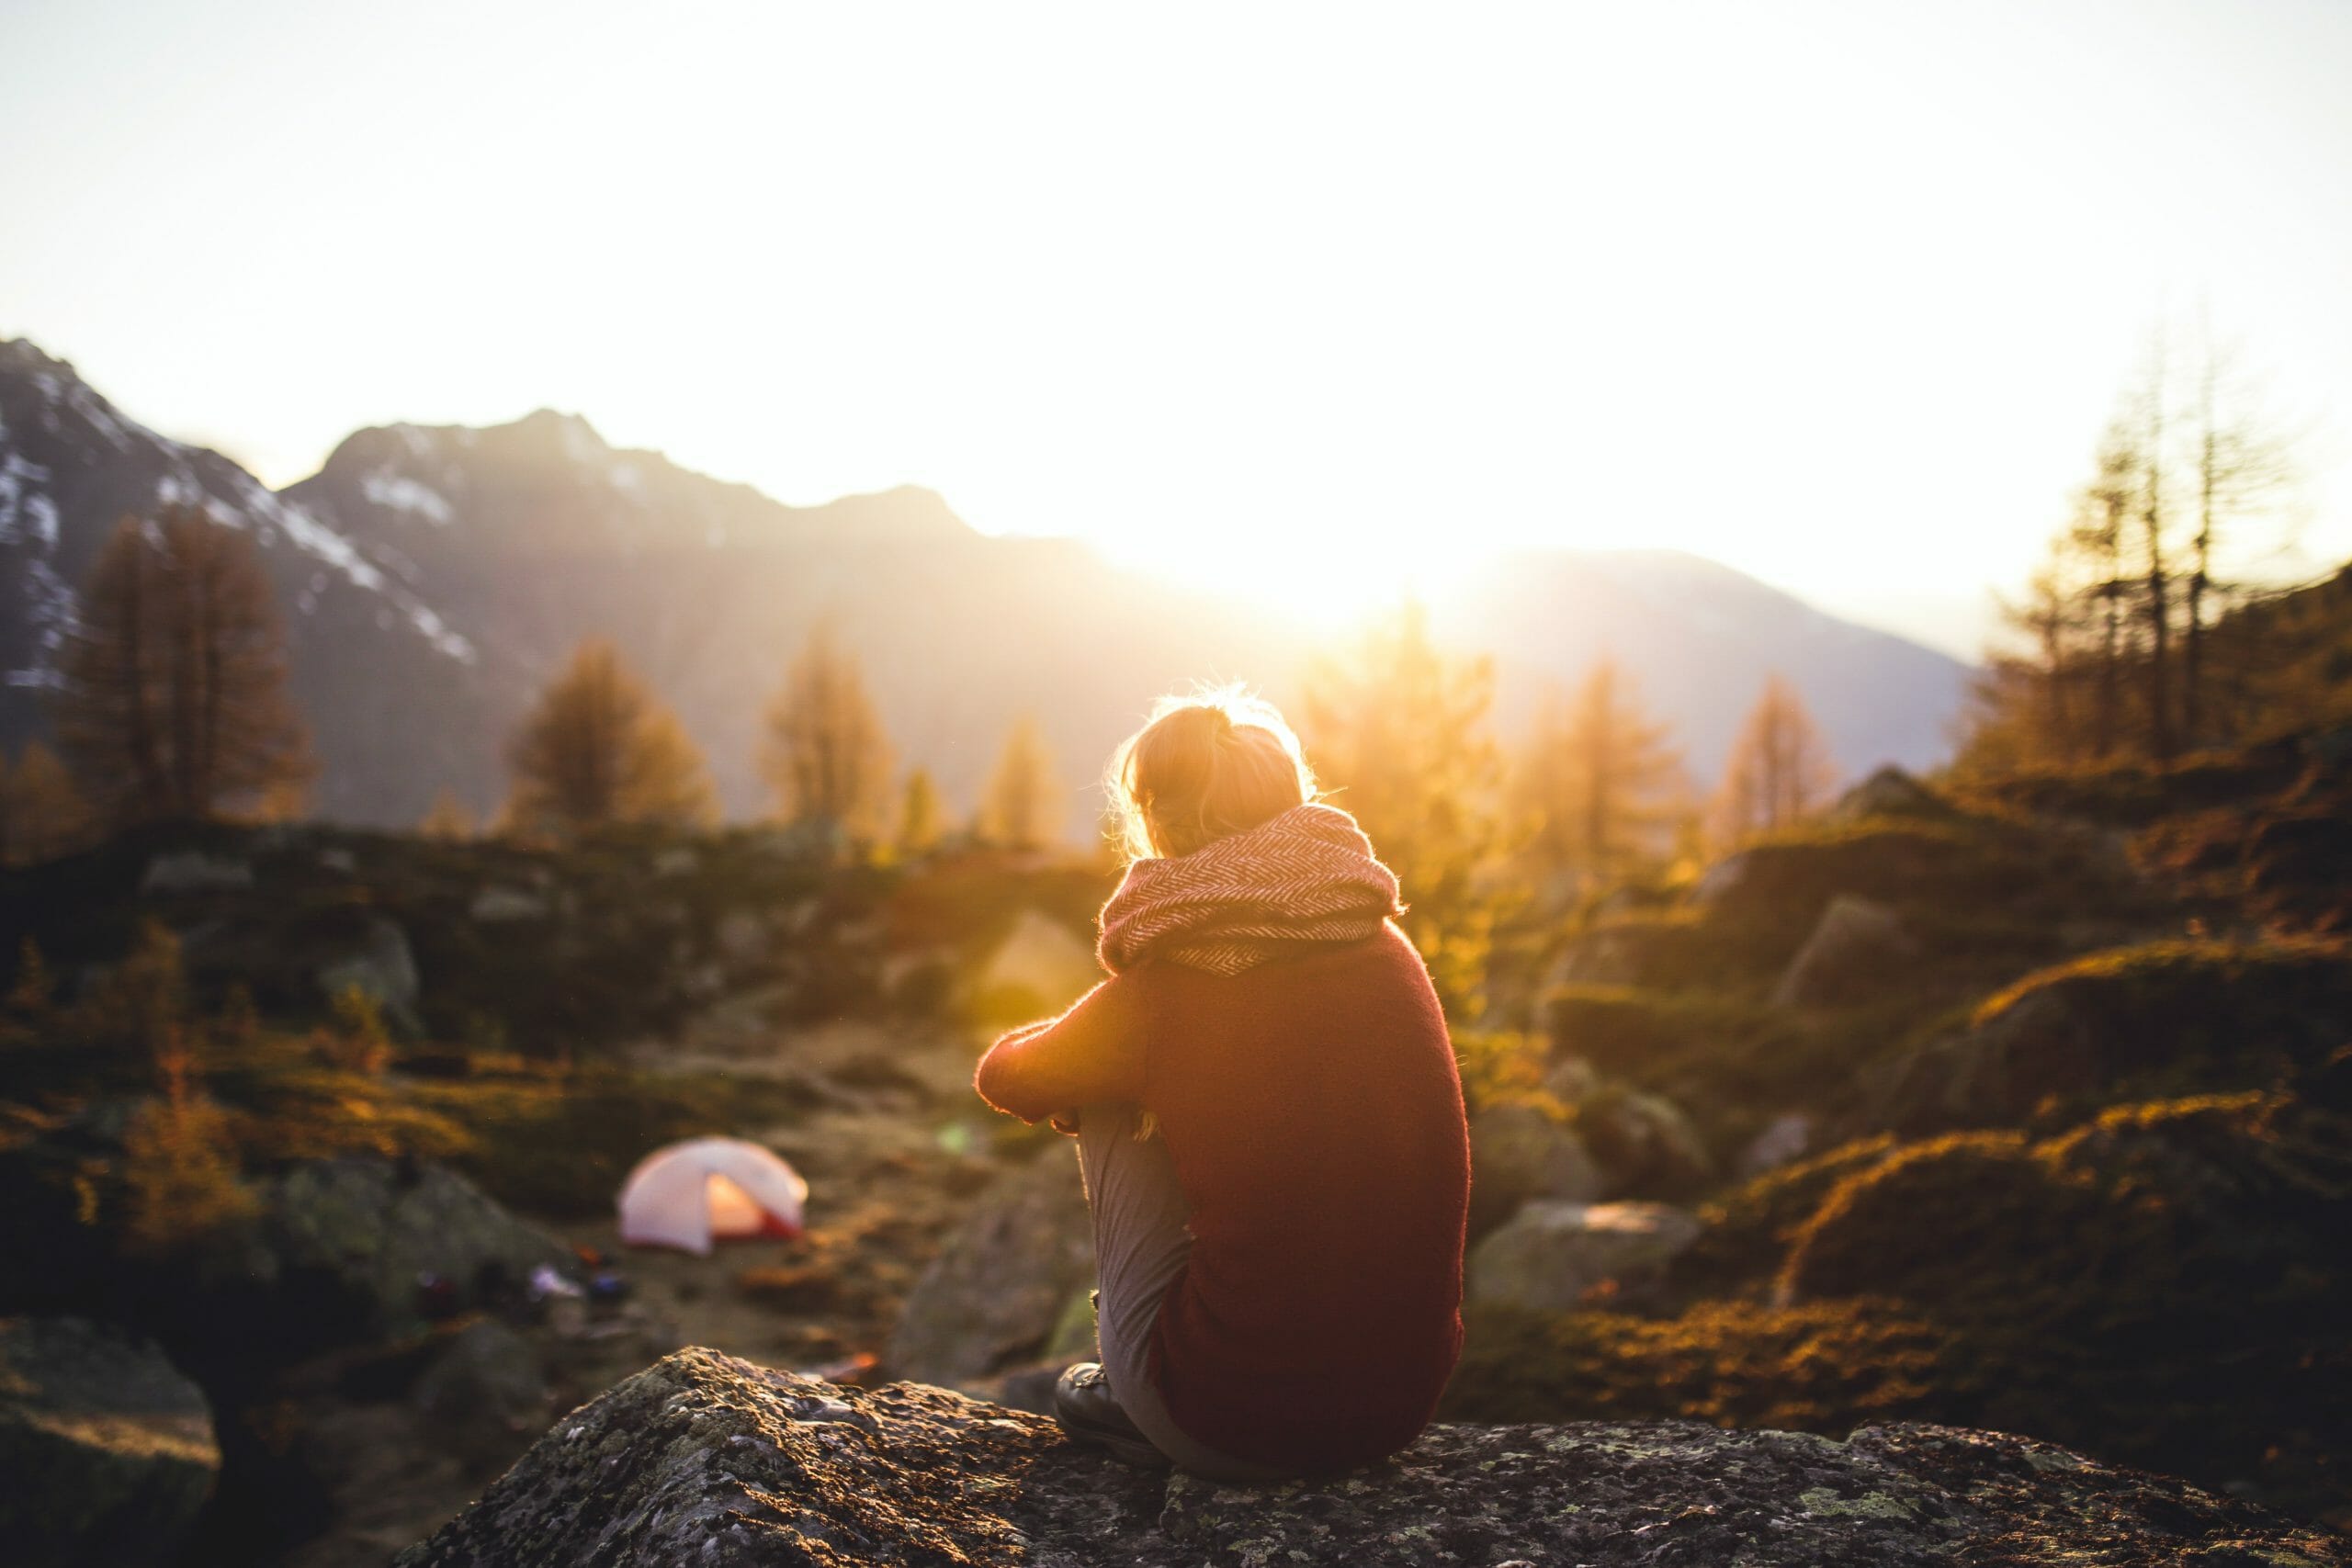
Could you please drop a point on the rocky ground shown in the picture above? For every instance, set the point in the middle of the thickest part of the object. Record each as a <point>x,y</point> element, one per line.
<point>890,1166</point>
<point>703,1459</point>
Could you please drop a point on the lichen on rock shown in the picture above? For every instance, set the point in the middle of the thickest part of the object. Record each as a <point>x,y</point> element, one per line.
<point>703,1459</point>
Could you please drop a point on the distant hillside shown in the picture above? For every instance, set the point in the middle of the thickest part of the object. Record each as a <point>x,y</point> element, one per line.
<point>1700,637</point>
<point>433,577</point>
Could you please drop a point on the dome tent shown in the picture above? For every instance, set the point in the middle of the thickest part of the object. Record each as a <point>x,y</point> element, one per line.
<point>690,1194</point>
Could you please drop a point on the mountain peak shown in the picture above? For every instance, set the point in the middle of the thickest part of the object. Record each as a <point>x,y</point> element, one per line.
<point>571,432</point>
<point>21,355</point>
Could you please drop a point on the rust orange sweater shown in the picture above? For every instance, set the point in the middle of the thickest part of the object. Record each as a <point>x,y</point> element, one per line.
<point>1314,1115</point>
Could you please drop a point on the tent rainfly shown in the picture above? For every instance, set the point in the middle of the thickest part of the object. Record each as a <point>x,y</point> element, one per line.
<point>688,1195</point>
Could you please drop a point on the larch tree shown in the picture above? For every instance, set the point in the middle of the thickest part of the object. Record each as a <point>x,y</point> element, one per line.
<point>920,816</point>
<point>601,749</point>
<point>2127,645</point>
<point>1399,732</point>
<point>1022,806</point>
<point>1779,769</point>
<point>2154,516</point>
<point>173,700</point>
<point>2242,466</point>
<point>822,747</point>
<point>450,821</point>
<point>42,814</point>
<point>1598,777</point>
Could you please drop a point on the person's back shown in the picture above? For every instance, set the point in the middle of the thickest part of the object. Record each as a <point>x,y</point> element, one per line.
<point>1313,1111</point>
<point>1269,1121</point>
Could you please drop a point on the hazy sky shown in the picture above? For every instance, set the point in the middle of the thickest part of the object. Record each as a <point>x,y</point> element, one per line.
<point>1316,298</point>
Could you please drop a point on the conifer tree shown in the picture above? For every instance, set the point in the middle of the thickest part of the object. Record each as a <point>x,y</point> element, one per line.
<point>919,815</point>
<point>42,814</point>
<point>1598,777</point>
<point>1398,731</point>
<point>2120,649</point>
<point>823,750</point>
<point>179,1159</point>
<point>173,703</point>
<point>600,749</point>
<point>450,821</point>
<point>1779,769</point>
<point>1022,806</point>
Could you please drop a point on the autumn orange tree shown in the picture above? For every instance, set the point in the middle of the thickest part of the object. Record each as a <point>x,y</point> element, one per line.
<point>1399,732</point>
<point>1779,769</point>
<point>1598,777</point>
<point>173,702</point>
<point>42,814</point>
<point>920,814</point>
<point>823,750</point>
<point>600,749</point>
<point>1022,806</point>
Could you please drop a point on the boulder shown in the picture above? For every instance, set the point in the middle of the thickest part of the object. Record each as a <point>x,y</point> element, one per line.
<point>193,871</point>
<point>1000,1286</point>
<point>742,938</point>
<point>378,962</point>
<point>1720,879</point>
<point>1854,946</point>
<point>107,1452</point>
<point>1550,1254</point>
<point>498,904</point>
<point>1606,955</point>
<point>1784,1139</point>
<point>396,1242</point>
<point>1890,791</point>
<point>703,1459</point>
<point>485,1390</point>
<point>1995,1070</point>
<point>1518,1153</point>
<point>1644,1144</point>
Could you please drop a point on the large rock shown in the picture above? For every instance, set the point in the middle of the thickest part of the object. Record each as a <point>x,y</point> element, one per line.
<point>380,1232</point>
<point>993,1296</point>
<point>1890,791</point>
<point>1779,1142</point>
<point>1853,947</point>
<point>1551,1254</point>
<point>498,903</point>
<point>193,871</point>
<point>705,1459</point>
<point>1518,1153</point>
<point>107,1452</point>
<point>1997,1069</point>
<point>376,962</point>
<point>1643,1143</point>
<point>485,1390</point>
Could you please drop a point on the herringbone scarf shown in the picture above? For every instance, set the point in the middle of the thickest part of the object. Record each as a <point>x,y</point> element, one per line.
<point>1307,875</point>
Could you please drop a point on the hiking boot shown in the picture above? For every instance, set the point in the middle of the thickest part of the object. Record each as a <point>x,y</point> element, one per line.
<point>1089,1413</point>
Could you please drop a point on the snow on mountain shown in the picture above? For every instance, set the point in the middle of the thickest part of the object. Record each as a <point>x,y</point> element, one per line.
<point>71,466</point>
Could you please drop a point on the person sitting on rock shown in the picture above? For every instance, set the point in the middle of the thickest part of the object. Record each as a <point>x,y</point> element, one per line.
<point>1269,1119</point>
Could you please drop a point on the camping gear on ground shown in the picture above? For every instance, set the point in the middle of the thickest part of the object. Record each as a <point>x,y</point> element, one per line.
<point>705,1189</point>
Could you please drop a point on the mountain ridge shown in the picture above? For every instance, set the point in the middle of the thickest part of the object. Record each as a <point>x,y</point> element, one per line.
<point>432,577</point>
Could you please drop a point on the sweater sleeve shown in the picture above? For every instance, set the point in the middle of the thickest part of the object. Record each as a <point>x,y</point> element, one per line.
<point>1091,1053</point>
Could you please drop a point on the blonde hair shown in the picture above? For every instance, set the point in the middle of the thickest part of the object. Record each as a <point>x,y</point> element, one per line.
<point>1214,763</point>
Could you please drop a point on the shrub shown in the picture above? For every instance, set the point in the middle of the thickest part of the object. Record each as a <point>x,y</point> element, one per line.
<point>1823,1367</point>
<point>2170,1017</point>
<point>1501,1067</point>
<point>356,1042</point>
<point>1931,1221</point>
<point>1748,1231</point>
